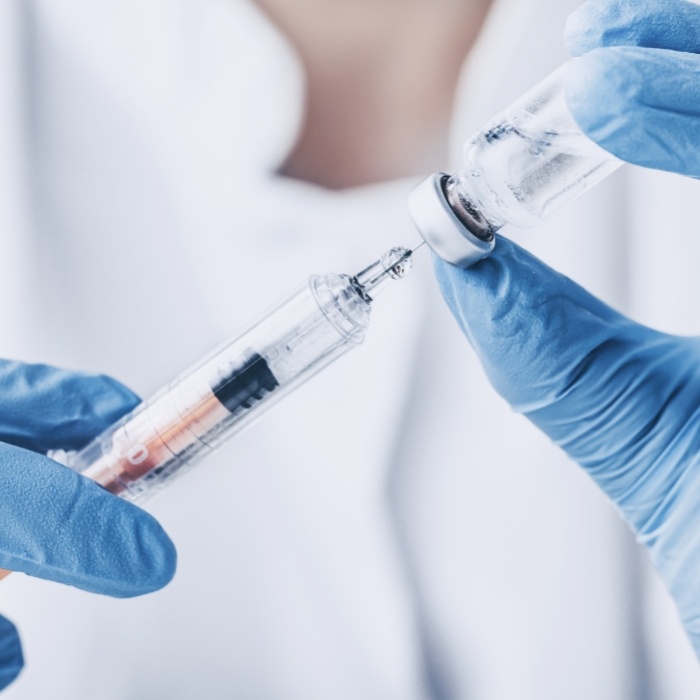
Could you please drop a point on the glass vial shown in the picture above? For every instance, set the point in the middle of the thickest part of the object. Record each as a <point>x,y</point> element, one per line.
<point>521,167</point>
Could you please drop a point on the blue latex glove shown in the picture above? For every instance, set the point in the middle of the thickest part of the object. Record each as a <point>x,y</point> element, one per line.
<point>57,524</point>
<point>621,399</point>
<point>636,89</point>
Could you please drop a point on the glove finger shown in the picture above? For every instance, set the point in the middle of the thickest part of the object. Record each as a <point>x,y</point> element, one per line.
<point>45,408</point>
<point>11,659</point>
<point>642,105</point>
<point>63,527</point>
<point>520,315</point>
<point>656,24</point>
<point>613,394</point>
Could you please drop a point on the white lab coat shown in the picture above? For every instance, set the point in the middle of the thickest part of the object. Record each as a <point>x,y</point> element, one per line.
<point>391,531</point>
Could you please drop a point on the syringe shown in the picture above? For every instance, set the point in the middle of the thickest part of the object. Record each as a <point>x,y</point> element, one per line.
<point>168,434</point>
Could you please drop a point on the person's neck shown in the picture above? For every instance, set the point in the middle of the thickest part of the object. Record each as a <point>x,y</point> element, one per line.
<point>381,80</point>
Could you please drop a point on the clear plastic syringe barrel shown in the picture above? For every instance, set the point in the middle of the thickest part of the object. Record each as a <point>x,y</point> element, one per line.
<point>530,160</point>
<point>182,423</point>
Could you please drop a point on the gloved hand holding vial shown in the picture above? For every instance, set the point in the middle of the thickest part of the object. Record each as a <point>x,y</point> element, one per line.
<point>620,398</point>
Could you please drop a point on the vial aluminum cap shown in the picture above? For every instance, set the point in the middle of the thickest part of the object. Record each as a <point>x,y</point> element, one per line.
<point>441,228</point>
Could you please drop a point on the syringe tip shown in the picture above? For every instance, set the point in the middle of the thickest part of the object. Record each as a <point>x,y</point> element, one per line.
<point>397,262</point>
<point>391,266</point>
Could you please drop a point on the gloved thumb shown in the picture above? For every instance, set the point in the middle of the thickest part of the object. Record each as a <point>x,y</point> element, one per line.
<point>520,316</point>
<point>613,394</point>
<point>11,659</point>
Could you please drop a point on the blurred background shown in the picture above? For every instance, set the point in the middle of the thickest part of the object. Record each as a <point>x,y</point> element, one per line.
<point>171,169</point>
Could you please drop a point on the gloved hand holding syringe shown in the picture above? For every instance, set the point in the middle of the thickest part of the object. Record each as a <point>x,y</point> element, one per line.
<point>187,419</point>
